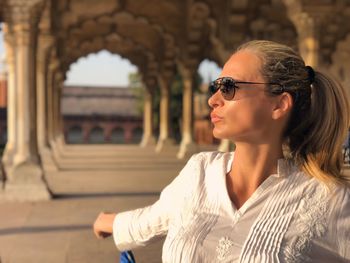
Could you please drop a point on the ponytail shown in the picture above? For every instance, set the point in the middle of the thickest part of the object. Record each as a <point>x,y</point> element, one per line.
<point>320,151</point>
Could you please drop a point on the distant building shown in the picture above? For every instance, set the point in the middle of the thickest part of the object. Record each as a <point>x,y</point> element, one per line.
<point>100,115</point>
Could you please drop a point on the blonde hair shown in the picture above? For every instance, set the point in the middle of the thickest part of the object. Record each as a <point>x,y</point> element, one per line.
<point>319,120</point>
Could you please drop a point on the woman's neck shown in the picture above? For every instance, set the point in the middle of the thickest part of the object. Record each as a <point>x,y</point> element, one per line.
<point>251,166</point>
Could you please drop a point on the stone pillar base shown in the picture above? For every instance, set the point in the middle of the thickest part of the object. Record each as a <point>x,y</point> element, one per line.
<point>55,150</point>
<point>25,183</point>
<point>48,163</point>
<point>163,144</point>
<point>25,192</point>
<point>186,150</point>
<point>148,141</point>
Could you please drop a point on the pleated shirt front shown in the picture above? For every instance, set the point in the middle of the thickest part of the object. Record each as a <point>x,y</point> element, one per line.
<point>291,217</point>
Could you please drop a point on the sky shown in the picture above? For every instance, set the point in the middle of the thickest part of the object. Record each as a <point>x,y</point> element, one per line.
<point>106,69</point>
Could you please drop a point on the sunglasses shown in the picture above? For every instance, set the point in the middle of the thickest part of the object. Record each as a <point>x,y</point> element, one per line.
<point>228,86</point>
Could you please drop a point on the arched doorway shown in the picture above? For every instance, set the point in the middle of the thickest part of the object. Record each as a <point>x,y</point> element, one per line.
<point>97,90</point>
<point>97,135</point>
<point>118,135</point>
<point>136,135</point>
<point>75,135</point>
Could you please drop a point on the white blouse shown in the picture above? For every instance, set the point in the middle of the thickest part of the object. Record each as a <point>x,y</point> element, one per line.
<point>291,217</point>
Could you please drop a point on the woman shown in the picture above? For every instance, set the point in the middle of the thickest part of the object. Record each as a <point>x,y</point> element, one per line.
<point>281,196</point>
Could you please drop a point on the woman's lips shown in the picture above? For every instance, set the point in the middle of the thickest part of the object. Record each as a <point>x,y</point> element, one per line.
<point>215,118</point>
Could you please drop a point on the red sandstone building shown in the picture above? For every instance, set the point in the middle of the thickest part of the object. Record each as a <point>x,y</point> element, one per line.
<point>100,115</point>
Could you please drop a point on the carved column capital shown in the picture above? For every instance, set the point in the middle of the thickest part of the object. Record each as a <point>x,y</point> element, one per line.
<point>10,43</point>
<point>164,81</point>
<point>54,65</point>
<point>307,24</point>
<point>45,43</point>
<point>187,72</point>
<point>150,84</point>
<point>21,11</point>
<point>23,34</point>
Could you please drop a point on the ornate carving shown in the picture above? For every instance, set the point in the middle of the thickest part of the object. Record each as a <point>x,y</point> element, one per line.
<point>310,18</point>
<point>23,11</point>
<point>114,22</point>
<point>115,44</point>
<point>342,54</point>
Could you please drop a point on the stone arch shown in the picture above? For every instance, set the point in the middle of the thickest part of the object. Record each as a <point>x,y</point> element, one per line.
<point>218,53</point>
<point>123,47</point>
<point>335,31</point>
<point>264,28</point>
<point>197,15</point>
<point>168,39</point>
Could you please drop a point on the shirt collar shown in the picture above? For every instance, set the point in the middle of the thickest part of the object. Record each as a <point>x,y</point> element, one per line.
<point>285,166</point>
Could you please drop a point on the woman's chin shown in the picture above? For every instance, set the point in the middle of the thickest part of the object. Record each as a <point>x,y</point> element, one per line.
<point>219,135</point>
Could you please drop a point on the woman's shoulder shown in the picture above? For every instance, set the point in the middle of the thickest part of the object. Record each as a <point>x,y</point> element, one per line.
<point>337,193</point>
<point>205,162</point>
<point>342,196</point>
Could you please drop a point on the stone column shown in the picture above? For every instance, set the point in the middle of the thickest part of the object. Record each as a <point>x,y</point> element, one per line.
<point>53,64</point>
<point>308,39</point>
<point>164,139</point>
<point>56,106</point>
<point>10,147</point>
<point>45,43</point>
<point>187,145</point>
<point>25,177</point>
<point>308,28</point>
<point>148,136</point>
<point>57,131</point>
<point>60,125</point>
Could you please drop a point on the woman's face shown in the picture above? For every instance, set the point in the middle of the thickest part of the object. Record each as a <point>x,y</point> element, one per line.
<point>247,117</point>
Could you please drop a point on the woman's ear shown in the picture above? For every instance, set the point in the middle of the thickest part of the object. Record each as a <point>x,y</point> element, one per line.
<point>283,105</point>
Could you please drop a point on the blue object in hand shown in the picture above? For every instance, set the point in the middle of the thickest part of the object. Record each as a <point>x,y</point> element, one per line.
<point>127,257</point>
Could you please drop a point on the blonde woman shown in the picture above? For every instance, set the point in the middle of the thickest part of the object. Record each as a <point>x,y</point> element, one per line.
<point>281,196</point>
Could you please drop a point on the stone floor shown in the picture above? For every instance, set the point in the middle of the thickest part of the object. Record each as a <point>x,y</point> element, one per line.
<point>60,230</point>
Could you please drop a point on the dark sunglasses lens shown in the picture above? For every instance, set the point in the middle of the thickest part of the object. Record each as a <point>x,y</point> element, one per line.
<point>228,88</point>
<point>213,88</point>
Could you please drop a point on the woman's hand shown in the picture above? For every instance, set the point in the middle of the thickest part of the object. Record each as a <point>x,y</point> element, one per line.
<point>103,226</point>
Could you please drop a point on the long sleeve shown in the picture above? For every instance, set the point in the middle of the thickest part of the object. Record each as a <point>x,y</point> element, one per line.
<point>138,227</point>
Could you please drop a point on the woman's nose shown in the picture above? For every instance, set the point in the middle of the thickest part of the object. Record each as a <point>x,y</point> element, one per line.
<point>215,100</point>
